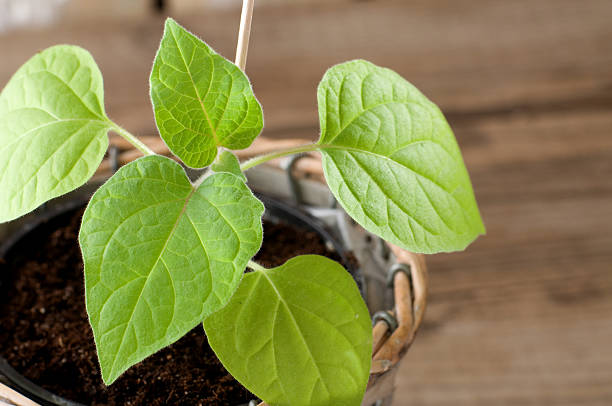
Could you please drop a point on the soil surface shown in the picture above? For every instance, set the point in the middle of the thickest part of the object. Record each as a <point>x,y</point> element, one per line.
<point>45,333</point>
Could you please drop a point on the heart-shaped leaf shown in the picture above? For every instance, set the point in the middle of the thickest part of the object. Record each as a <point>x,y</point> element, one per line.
<point>392,161</point>
<point>160,256</point>
<point>201,100</point>
<point>52,129</point>
<point>298,334</point>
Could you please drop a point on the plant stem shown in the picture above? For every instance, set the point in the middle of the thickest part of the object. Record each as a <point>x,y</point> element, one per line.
<point>133,140</point>
<point>244,33</point>
<point>258,160</point>
<point>255,266</point>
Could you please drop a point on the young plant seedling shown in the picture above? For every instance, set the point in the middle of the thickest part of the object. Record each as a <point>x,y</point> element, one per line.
<point>163,254</point>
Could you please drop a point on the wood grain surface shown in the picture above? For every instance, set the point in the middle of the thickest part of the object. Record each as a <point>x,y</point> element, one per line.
<point>524,316</point>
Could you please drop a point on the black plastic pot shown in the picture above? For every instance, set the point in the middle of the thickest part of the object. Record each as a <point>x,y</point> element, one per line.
<point>275,211</point>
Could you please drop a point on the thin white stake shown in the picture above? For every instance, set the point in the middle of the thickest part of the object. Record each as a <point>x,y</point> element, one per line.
<point>245,33</point>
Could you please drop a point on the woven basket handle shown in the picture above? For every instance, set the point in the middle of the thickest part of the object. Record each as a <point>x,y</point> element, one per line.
<point>410,294</point>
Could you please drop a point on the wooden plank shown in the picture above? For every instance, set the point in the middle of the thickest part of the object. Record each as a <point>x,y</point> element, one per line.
<point>524,316</point>
<point>482,58</point>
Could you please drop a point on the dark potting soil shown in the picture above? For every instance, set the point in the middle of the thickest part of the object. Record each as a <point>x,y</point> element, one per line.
<point>45,333</point>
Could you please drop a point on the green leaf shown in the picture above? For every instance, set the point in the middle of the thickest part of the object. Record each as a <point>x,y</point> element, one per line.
<point>391,160</point>
<point>298,334</point>
<point>52,129</point>
<point>201,100</point>
<point>228,162</point>
<point>160,256</point>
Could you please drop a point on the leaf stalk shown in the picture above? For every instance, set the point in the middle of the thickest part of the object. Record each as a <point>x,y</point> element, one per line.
<point>255,266</point>
<point>258,160</point>
<point>133,140</point>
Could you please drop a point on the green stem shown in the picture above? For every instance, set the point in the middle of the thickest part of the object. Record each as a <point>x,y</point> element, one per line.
<point>255,266</point>
<point>133,140</point>
<point>258,160</point>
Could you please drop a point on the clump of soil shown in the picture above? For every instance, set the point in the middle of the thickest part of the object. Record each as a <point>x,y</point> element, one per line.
<point>46,336</point>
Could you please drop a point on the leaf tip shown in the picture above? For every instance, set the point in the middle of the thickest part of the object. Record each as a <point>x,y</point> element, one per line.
<point>108,375</point>
<point>171,26</point>
<point>170,22</point>
<point>482,230</point>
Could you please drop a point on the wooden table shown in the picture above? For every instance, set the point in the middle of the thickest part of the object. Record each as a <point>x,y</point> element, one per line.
<point>524,316</point>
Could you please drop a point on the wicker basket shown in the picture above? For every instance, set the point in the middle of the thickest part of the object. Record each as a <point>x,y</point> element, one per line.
<point>398,298</point>
<point>394,329</point>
